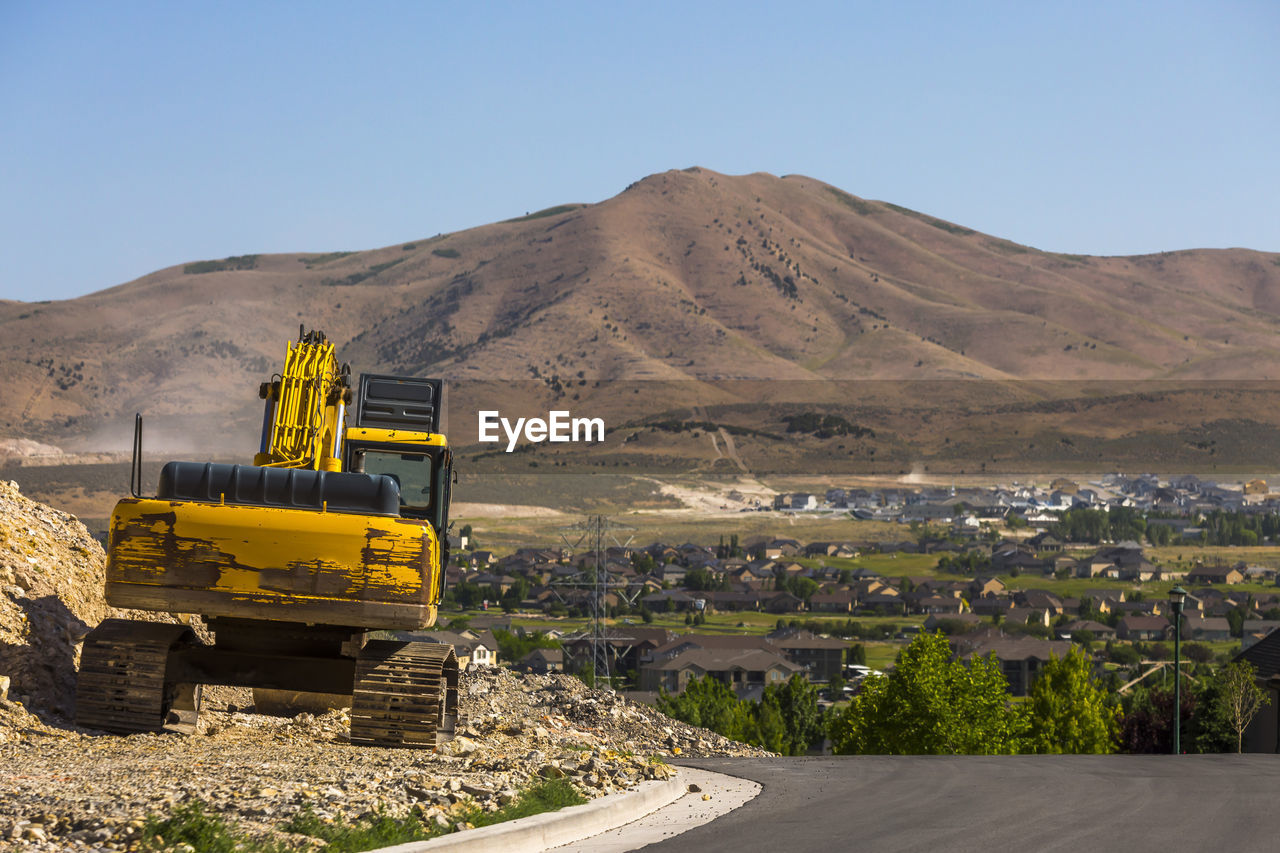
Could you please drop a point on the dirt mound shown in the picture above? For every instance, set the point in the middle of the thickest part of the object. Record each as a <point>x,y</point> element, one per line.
<point>51,577</point>
<point>24,448</point>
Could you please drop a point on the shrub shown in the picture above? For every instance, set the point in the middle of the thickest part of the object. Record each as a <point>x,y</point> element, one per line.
<point>236,262</point>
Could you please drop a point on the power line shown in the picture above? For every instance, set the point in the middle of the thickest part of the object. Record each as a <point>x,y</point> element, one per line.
<point>595,529</point>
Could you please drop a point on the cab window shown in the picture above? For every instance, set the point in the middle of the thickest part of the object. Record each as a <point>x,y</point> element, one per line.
<point>413,471</point>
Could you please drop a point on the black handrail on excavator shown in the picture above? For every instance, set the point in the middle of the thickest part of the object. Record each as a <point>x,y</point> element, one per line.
<point>135,468</point>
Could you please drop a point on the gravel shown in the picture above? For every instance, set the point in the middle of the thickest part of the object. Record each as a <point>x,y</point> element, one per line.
<point>66,789</point>
<point>63,788</point>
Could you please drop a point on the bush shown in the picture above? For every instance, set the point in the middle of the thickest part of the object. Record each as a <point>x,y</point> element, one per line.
<point>513,647</point>
<point>368,832</point>
<point>190,824</point>
<point>548,796</point>
<point>236,262</point>
<point>1198,652</point>
<point>930,705</point>
<point>1122,654</point>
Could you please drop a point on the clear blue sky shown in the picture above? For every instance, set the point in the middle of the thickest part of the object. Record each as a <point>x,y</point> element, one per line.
<point>136,135</point>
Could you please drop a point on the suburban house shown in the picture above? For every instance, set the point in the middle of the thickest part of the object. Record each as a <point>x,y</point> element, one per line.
<point>832,602</point>
<point>1099,630</point>
<point>747,670</point>
<point>1207,629</point>
<point>1017,560</point>
<point>670,600</point>
<point>1254,630</point>
<point>982,587</point>
<point>1028,616</point>
<point>991,605</point>
<point>938,604</point>
<point>627,645</point>
<point>1020,658</point>
<point>822,657</point>
<point>473,649</point>
<point>1215,574</point>
<point>1142,628</point>
<point>1040,599</point>
<point>1263,733</point>
<point>542,661</point>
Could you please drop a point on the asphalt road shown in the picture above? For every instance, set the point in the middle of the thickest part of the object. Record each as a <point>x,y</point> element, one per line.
<point>992,803</point>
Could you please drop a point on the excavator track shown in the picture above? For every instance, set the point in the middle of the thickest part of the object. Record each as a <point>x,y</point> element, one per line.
<point>405,695</point>
<point>121,687</point>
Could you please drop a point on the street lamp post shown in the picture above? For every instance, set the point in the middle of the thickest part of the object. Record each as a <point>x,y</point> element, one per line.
<point>1176,597</point>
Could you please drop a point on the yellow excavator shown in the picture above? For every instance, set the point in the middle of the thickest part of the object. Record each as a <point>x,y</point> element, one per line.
<point>336,531</point>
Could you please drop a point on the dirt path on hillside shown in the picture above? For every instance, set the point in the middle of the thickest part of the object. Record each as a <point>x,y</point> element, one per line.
<point>712,498</point>
<point>731,449</point>
<point>463,509</point>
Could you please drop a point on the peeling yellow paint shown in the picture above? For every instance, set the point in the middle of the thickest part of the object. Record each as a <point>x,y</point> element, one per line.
<point>292,552</point>
<point>238,580</point>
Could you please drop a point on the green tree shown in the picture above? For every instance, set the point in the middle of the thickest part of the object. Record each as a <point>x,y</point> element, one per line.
<point>711,704</point>
<point>770,730</point>
<point>1123,654</point>
<point>797,702</point>
<point>1240,697</point>
<point>1235,621</point>
<point>1210,730</point>
<point>858,654</point>
<point>801,588</point>
<point>1084,636</point>
<point>1198,652</point>
<point>1068,712</point>
<point>643,562</point>
<point>930,705</point>
<point>512,647</point>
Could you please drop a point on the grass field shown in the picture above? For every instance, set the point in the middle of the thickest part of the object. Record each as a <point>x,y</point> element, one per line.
<point>503,535</point>
<point>746,622</point>
<point>1186,557</point>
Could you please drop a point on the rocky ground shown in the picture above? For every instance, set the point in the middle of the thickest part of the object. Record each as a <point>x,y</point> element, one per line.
<point>62,788</point>
<point>51,575</point>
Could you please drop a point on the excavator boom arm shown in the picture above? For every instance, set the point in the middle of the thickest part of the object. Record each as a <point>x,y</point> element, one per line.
<point>305,408</point>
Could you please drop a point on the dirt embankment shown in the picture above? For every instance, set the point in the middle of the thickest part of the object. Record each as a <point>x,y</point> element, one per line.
<point>51,575</point>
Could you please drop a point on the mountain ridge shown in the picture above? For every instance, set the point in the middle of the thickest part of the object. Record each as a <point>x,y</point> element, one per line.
<point>685,275</point>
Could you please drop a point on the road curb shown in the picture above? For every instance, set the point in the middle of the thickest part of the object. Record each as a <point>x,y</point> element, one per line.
<point>552,829</point>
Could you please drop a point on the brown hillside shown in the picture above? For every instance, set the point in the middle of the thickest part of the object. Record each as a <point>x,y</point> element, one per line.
<point>686,275</point>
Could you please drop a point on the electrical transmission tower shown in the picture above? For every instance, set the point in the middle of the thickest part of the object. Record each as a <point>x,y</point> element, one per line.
<point>594,531</point>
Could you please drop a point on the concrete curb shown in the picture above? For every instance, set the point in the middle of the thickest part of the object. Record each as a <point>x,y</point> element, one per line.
<point>552,829</point>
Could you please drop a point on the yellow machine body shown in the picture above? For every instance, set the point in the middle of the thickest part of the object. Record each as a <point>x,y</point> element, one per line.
<point>220,556</point>
<point>275,563</point>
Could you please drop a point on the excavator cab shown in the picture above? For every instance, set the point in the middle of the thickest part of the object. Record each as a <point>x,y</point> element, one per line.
<point>398,433</point>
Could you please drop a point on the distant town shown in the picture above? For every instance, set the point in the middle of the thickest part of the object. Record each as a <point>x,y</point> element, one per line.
<point>1173,502</point>
<point>1021,573</point>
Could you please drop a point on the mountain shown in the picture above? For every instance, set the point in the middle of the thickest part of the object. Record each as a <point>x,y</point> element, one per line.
<point>687,277</point>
